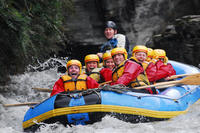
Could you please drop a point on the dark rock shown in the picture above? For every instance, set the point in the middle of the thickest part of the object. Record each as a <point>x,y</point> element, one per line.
<point>183,44</point>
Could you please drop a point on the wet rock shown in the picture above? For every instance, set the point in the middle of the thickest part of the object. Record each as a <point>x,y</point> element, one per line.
<point>182,40</point>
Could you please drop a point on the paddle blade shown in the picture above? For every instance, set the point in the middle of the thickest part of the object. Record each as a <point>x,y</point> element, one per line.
<point>191,80</point>
<point>20,104</point>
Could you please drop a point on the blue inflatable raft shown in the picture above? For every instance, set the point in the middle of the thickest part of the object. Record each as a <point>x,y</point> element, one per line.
<point>92,105</point>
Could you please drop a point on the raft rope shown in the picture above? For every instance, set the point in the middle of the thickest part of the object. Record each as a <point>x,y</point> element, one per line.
<point>121,89</point>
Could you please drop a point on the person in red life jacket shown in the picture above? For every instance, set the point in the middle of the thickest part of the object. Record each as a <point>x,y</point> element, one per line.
<point>127,72</point>
<point>139,54</point>
<point>108,65</point>
<point>92,66</point>
<point>164,69</point>
<point>74,80</point>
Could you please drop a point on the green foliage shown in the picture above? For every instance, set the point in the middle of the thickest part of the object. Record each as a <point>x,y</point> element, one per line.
<point>35,23</point>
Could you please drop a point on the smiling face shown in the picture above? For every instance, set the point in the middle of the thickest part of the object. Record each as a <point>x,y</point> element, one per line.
<point>118,59</point>
<point>73,71</point>
<point>91,65</point>
<point>109,63</point>
<point>141,56</point>
<point>109,33</point>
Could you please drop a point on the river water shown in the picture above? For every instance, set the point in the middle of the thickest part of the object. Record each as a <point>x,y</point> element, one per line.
<point>19,91</point>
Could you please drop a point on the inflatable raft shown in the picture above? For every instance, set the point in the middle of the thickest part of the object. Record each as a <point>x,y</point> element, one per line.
<point>92,105</point>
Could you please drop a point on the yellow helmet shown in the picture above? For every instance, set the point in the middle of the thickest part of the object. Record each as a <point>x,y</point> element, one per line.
<point>91,57</point>
<point>106,56</point>
<point>74,62</point>
<point>160,53</point>
<point>119,51</point>
<point>150,52</point>
<point>139,48</point>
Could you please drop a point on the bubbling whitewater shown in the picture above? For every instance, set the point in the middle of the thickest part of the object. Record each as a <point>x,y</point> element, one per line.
<point>19,91</point>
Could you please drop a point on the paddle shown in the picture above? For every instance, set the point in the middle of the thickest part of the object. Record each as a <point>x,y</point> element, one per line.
<point>189,80</point>
<point>50,90</point>
<point>165,86</point>
<point>20,104</point>
<point>181,75</point>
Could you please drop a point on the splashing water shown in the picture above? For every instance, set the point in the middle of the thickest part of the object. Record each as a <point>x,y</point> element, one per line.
<point>19,91</point>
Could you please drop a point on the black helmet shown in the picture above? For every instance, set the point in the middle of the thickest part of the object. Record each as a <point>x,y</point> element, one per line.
<point>111,24</point>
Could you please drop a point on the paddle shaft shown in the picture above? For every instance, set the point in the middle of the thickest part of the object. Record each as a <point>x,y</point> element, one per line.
<point>20,104</point>
<point>181,75</point>
<point>189,80</point>
<point>158,84</point>
<point>165,86</point>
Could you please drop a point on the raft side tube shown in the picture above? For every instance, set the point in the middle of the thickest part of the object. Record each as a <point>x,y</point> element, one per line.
<point>45,106</point>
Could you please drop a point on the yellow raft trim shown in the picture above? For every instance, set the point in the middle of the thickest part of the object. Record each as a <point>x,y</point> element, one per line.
<point>101,108</point>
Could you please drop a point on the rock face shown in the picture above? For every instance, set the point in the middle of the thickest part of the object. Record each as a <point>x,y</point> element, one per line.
<point>138,19</point>
<point>83,31</point>
<point>181,40</point>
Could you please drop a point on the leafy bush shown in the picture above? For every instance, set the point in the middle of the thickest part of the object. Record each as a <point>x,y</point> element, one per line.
<point>34,24</point>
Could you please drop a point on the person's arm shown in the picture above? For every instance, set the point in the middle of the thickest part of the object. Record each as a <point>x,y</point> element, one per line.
<point>162,72</point>
<point>123,42</point>
<point>158,64</point>
<point>151,72</point>
<point>131,71</point>
<point>106,74</point>
<point>103,48</point>
<point>58,87</point>
<point>171,71</point>
<point>91,83</point>
<point>106,46</point>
